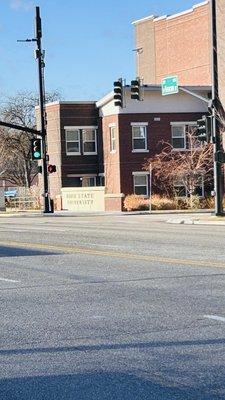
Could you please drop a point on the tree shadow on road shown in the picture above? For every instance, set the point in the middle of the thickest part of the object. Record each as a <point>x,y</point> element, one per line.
<point>110,385</point>
<point>11,251</point>
<point>90,386</point>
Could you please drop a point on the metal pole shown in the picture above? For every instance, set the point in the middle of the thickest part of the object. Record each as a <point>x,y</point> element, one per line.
<point>150,187</point>
<point>39,57</point>
<point>215,107</point>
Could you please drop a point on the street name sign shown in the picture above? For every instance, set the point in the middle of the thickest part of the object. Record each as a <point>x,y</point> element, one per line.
<point>170,85</point>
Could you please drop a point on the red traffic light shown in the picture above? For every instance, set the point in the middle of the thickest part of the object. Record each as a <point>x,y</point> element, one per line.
<point>51,168</point>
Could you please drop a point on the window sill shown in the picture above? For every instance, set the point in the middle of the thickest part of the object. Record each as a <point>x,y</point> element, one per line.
<point>140,151</point>
<point>181,149</point>
<point>73,154</point>
<point>90,154</point>
<point>144,196</point>
<point>112,151</point>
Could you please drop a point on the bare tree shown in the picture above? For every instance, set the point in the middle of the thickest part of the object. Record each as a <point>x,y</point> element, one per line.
<point>186,167</point>
<point>16,165</point>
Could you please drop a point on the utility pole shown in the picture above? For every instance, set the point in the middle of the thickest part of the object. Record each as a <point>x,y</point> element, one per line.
<point>40,58</point>
<point>215,109</point>
<point>39,55</point>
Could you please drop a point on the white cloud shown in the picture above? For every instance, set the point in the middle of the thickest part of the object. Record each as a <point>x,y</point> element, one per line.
<point>25,5</point>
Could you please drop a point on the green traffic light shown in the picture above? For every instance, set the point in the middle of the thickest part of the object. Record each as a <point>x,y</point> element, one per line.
<point>37,154</point>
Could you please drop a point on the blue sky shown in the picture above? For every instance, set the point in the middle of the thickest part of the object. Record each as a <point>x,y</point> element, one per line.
<point>88,43</point>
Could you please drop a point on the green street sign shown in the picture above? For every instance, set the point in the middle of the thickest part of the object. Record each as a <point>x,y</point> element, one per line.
<point>170,85</point>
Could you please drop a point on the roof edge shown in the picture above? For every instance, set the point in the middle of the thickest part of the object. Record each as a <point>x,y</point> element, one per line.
<point>155,18</point>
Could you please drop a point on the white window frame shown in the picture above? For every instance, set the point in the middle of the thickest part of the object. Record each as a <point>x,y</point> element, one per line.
<point>185,125</point>
<point>86,153</point>
<point>72,153</point>
<point>176,185</point>
<point>79,129</point>
<point>186,191</point>
<point>141,173</point>
<point>202,186</point>
<point>139,125</point>
<point>183,136</point>
<point>112,128</point>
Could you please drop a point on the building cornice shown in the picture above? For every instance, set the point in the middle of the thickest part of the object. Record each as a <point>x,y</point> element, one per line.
<point>59,103</point>
<point>138,21</point>
<point>168,17</point>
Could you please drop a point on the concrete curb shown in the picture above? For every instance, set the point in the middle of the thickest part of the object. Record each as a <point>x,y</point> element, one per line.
<point>194,222</point>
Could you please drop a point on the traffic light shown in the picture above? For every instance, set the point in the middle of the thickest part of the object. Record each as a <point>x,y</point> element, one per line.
<point>204,129</point>
<point>36,149</point>
<point>118,93</point>
<point>51,168</point>
<point>135,89</point>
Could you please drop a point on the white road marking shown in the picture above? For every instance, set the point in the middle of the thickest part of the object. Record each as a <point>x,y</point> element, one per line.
<point>215,317</point>
<point>9,280</point>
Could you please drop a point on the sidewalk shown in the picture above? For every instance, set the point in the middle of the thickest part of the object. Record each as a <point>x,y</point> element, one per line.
<point>188,217</point>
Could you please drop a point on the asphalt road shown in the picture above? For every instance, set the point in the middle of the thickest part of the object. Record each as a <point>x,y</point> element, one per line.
<point>111,307</point>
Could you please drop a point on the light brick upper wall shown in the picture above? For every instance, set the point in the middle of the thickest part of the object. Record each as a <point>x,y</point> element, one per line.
<point>179,45</point>
<point>221,48</point>
<point>182,47</point>
<point>145,50</point>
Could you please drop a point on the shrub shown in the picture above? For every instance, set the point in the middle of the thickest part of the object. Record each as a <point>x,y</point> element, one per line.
<point>181,203</point>
<point>134,202</point>
<point>162,203</point>
<point>193,202</point>
<point>208,203</point>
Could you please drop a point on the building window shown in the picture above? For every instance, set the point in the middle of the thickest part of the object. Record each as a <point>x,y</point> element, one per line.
<point>181,190</point>
<point>112,134</point>
<point>73,142</point>
<point>101,180</point>
<point>178,137</point>
<point>92,181</point>
<point>88,181</point>
<point>199,189</point>
<point>89,141</point>
<point>181,132</point>
<point>139,138</point>
<point>197,144</point>
<point>140,184</point>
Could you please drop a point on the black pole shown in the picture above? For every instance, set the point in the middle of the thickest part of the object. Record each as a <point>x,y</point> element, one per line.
<point>215,110</point>
<point>39,57</point>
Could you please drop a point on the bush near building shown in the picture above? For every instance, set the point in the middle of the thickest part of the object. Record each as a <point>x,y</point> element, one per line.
<point>138,203</point>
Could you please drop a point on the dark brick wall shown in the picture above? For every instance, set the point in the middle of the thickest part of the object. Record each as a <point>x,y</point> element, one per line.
<point>60,115</point>
<point>79,115</point>
<point>156,132</point>
<point>118,166</point>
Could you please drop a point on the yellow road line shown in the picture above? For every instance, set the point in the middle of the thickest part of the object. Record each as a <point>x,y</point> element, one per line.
<point>102,253</point>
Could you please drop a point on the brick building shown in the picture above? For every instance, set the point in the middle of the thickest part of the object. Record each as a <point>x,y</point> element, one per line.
<point>98,144</point>
<point>73,145</point>
<point>180,44</point>
<point>221,49</point>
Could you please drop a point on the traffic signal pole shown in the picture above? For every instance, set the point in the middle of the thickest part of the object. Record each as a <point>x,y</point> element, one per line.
<point>218,183</point>
<point>39,57</point>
